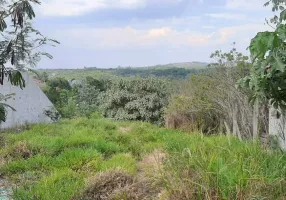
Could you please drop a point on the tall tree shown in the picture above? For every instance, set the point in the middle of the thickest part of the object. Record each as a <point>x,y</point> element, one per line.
<point>19,43</point>
<point>268,53</point>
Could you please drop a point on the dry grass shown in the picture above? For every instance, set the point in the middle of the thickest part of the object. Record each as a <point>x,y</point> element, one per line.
<point>21,150</point>
<point>125,129</point>
<point>152,163</point>
<point>115,185</point>
<point>118,185</point>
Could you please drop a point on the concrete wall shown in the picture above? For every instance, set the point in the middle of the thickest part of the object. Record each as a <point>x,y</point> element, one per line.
<point>277,126</point>
<point>30,104</point>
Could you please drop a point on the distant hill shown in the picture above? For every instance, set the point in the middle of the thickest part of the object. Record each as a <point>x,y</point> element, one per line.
<point>172,70</point>
<point>186,65</point>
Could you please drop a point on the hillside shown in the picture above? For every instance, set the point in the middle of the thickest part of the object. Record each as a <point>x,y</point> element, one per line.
<point>100,159</point>
<point>186,65</point>
<point>172,71</point>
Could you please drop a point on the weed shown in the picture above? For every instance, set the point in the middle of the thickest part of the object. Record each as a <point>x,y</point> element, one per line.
<point>61,184</point>
<point>120,161</point>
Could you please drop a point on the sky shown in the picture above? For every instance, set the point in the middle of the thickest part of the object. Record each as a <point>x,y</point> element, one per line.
<point>112,33</point>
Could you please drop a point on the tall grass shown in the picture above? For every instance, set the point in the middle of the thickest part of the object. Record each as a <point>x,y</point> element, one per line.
<point>224,168</point>
<point>52,161</point>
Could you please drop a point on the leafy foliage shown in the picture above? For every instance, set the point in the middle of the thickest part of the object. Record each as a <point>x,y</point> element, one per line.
<point>166,72</point>
<point>173,73</point>
<point>136,99</point>
<point>4,106</point>
<point>19,42</point>
<point>124,99</point>
<point>268,53</point>
<point>89,95</point>
<point>60,93</point>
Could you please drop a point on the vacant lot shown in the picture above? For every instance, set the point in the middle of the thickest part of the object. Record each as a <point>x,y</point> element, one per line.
<point>101,159</point>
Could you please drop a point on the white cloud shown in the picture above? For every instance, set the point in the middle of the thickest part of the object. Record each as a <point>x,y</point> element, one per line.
<point>161,32</point>
<point>230,16</point>
<point>238,33</point>
<point>245,4</point>
<point>208,27</point>
<point>126,38</point>
<point>164,37</point>
<point>79,7</point>
<point>129,38</point>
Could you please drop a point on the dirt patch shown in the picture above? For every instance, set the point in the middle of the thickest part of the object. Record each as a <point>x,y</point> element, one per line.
<point>152,163</point>
<point>22,150</point>
<point>150,168</point>
<point>103,185</point>
<point>116,185</point>
<point>125,129</point>
<point>119,185</point>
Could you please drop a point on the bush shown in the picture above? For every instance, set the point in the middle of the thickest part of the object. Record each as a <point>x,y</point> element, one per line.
<point>136,99</point>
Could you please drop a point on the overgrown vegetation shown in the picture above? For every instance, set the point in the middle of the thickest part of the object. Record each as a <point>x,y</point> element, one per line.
<point>59,161</point>
<point>121,99</point>
<point>178,71</point>
<point>85,156</point>
<point>268,56</point>
<point>212,103</point>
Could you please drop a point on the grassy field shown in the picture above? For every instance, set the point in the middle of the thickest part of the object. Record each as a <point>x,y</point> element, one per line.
<point>101,159</point>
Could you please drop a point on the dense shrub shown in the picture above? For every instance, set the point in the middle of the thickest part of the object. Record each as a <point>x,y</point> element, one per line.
<point>88,95</point>
<point>136,99</point>
<point>125,99</point>
<point>172,73</point>
<point>61,94</point>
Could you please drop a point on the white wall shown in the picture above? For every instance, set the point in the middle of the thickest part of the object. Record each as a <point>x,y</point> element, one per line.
<point>29,103</point>
<point>277,126</point>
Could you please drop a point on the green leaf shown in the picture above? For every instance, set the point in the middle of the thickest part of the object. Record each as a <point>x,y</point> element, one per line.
<point>278,64</point>
<point>16,79</point>
<point>3,25</point>
<point>261,43</point>
<point>282,16</point>
<point>28,9</point>
<point>281,31</point>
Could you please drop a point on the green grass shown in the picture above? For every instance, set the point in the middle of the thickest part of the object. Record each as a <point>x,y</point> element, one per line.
<point>53,161</point>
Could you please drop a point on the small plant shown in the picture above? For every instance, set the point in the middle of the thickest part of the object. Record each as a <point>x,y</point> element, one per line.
<point>4,106</point>
<point>53,114</point>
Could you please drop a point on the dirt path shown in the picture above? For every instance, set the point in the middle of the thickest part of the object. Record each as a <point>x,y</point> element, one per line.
<point>152,163</point>
<point>150,168</point>
<point>5,192</point>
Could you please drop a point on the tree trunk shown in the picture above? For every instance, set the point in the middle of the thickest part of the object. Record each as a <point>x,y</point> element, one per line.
<point>238,131</point>
<point>220,127</point>
<point>228,132</point>
<point>255,121</point>
<point>234,122</point>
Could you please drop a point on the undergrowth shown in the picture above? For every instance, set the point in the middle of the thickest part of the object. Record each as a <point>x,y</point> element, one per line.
<point>54,161</point>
